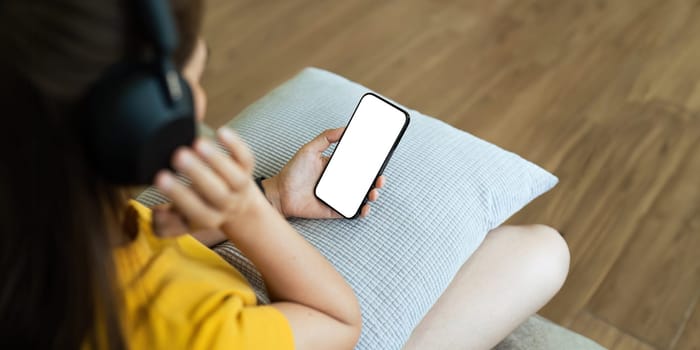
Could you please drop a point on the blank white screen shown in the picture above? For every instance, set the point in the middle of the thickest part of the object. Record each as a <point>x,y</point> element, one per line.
<point>360,154</point>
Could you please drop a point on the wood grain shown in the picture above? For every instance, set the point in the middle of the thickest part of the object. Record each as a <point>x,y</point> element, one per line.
<point>606,334</point>
<point>603,93</point>
<point>603,333</point>
<point>689,336</point>
<point>627,342</point>
<point>657,276</point>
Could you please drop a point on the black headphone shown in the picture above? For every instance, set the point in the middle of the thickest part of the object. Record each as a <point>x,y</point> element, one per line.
<point>141,110</point>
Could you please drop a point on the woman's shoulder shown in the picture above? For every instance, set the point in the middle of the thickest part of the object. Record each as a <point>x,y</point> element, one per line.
<point>179,285</point>
<point>173,262</point>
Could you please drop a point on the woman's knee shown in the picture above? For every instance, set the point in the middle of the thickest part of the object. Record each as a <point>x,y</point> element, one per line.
<point>552,255</point>
<point>542,252</point>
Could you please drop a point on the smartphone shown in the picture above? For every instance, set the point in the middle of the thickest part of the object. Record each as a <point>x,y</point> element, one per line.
<point>373,132</point>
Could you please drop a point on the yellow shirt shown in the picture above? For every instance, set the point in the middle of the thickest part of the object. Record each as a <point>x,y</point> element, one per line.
<point>179,294</point>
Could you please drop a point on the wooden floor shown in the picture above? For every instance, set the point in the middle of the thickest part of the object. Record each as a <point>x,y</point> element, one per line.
<point>604,94</point>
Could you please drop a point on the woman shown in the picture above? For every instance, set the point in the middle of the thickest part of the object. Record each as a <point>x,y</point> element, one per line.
<point>80,270</point>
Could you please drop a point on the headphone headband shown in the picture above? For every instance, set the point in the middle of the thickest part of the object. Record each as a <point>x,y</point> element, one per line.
<point>157,20</point>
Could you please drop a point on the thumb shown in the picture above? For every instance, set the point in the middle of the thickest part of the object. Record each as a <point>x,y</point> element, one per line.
<point>321,142</point>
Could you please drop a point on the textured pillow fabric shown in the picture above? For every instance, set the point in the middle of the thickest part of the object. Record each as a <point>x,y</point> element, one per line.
<point>446,189</point>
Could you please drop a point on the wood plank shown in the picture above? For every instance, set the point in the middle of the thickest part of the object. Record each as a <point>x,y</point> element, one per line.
<point>689,335</point>
<point>622,164</point>
<point>596,329</point>
<point>349,38</point>
<point>243,69</point>
<point>649,297</point>
<point>613,75</point>
<point>627,342</point>
<point>606,334</point>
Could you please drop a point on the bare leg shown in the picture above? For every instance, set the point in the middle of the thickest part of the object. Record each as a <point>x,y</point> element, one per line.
<point>515,272</point>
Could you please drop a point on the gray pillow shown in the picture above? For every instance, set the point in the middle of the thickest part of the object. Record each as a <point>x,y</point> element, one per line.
<point>446,189</point>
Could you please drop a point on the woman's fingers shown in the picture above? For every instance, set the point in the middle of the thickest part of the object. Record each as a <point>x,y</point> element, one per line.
<point>222,165</point>
<point>216,180</point>
<point>365,210</point>
<point>381,180</point>
<point>238,149</point>
<point>374,193</point>
<point>186,201</point>
<point>205,181</point>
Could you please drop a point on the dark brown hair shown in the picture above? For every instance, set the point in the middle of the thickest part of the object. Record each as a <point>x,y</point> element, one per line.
<point>58,219</point>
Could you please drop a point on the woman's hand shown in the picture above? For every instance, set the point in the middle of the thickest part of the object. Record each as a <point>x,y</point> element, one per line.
<point>292,190</point>
<point>222,187</point>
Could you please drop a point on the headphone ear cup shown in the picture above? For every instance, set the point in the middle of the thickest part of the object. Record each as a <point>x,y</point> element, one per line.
<point>132,127</point>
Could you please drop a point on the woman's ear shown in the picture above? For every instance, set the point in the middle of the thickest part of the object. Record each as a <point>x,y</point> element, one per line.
<point>200,101</point>
<point>192,72</point>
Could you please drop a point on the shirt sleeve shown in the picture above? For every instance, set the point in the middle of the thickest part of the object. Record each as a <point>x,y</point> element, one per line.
<point>233,326</point>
